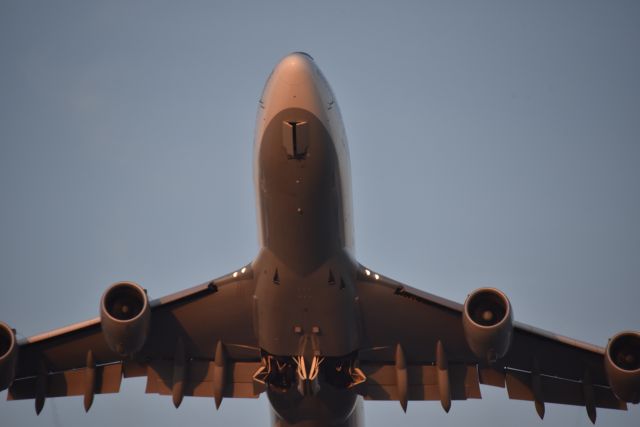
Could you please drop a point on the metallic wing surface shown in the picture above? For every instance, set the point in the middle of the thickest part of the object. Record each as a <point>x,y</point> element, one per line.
<point>449,360</point>
<point>187,337</point>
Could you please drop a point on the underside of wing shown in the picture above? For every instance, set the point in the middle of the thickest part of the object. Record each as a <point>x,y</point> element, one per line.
<point>423,347</point>
<point>197,342</point>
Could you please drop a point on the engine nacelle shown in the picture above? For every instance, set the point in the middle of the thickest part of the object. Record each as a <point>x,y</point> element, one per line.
<point>125,317</point>
<point>8,355</point>
<point>487,321</point>
<point>622,364</point>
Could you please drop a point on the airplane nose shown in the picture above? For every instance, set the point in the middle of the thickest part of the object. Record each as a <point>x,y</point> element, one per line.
<point>303,54</point>
<point>295,83</point>
<point>295,68</point>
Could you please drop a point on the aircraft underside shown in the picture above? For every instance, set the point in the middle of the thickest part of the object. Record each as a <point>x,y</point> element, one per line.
<point>304,322</point>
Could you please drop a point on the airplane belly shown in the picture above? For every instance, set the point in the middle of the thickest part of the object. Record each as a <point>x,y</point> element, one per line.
<point>311,315</point>
<point>334,409</point>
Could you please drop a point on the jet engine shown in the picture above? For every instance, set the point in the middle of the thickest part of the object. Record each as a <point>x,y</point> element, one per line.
<point>487,321</point>
<point>622,364</point>
<point>8,355</point>
<point>125,317</point>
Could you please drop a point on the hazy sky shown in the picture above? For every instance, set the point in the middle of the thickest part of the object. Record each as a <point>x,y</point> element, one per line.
<point>492,143</point>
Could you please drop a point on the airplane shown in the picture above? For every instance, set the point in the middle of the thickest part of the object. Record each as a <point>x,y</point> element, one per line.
<point>304,322</point>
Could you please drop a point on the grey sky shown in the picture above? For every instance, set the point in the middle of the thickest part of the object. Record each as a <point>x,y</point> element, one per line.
<point>491,143</point>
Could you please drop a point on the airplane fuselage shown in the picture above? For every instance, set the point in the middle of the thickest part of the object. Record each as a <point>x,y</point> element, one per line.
<point>305,302</point>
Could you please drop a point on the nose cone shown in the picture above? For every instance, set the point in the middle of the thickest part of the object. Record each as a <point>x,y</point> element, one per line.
<point>295,68</point>
<point>296,82</point>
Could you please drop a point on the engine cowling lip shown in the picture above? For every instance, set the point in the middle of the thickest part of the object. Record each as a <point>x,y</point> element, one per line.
<point>9,358</point>
<point>113,287</point>
<point>607,352</point>
<point>12,343</point>
<point>503,297</point>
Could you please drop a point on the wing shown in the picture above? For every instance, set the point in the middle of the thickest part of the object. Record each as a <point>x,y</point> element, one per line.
<point>200,342</point>
<point>417,351</point>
